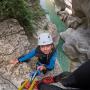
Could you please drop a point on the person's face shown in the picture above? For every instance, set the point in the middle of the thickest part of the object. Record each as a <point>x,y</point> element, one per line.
<point>46,49</point>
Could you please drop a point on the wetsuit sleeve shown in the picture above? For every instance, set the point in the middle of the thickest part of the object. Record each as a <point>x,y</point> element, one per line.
<point>52,61</point>
<point>27,56</point>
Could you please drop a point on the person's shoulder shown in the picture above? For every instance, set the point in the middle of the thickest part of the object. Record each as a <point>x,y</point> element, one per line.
<point>32,50</point>
<point>37,49</point>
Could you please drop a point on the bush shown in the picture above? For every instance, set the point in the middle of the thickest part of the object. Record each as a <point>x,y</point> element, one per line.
<point>20,10</point>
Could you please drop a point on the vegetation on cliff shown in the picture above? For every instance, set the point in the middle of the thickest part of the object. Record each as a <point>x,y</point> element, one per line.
<point>22,11</point>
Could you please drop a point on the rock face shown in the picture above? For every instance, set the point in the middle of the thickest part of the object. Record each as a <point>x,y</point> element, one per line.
<point>66,14</point>
<point>13,43</point>
<point>77,44</point>
<point>6,84</point>
<point>60,4</point>
<point>81,8</point>
<point>77,8</point>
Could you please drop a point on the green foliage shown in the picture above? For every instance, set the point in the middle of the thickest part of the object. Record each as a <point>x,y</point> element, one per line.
<point>36,10</point>
<point>23,14</point>
<point>20,10</point>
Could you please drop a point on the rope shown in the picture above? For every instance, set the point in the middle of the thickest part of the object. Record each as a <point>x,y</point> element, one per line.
<point>9,81</point>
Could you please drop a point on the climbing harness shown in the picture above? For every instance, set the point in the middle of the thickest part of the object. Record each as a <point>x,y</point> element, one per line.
<point>32,80</point>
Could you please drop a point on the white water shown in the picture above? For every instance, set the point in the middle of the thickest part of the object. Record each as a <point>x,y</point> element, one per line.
<point>43,5</point>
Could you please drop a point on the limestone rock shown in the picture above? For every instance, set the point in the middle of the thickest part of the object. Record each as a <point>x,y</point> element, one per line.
<point>76,43</point>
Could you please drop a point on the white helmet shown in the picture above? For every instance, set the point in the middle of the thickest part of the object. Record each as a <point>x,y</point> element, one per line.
<point>44,39</point>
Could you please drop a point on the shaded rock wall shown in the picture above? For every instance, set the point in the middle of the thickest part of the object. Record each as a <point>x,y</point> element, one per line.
<point>77,36</point>
<point>81,8</point>
<point>60,4</point>
<point>77,8</point>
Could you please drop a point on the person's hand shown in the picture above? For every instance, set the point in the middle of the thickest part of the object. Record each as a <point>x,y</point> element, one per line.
<point>42,67</point>
<point>15,61</point>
